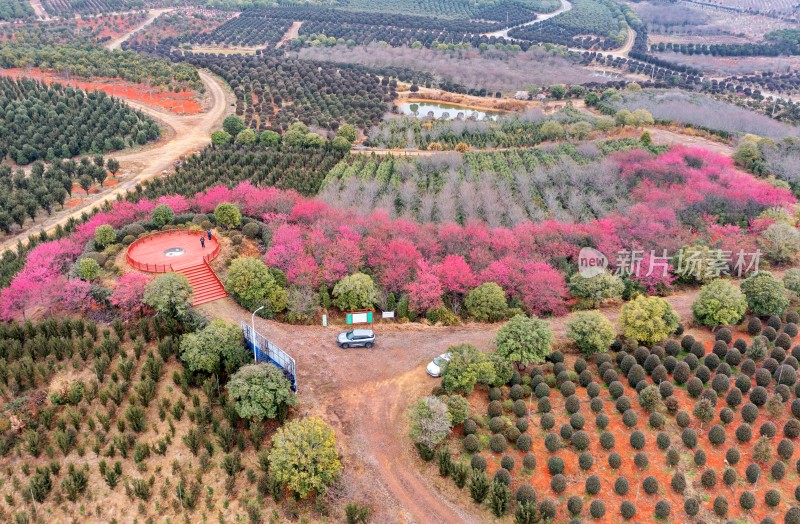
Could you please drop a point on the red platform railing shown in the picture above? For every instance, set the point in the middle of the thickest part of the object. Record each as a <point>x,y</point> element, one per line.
<point>162,268</point>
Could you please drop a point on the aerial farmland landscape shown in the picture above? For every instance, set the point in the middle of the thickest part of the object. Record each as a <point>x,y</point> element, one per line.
<point>400,261</point>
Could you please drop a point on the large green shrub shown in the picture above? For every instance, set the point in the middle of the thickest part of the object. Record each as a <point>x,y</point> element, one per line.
<point>593,291</point>
<point>719,303</point>
<point>228,215</point>
<point>218,344</point>
<point>355,292</point>
<point>648,320</point>
<point>765,295</point>
<point>261,391</point>
<point>251,284</point>
<point>487,303</point>
<point>524,340</point>
<point>162,215</point>
<point>169,295</point>
<point>591,332</point>
<point>104,236</point>
<point>467,366</point>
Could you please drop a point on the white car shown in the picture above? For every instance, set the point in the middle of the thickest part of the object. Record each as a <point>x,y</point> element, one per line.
<point>434,369</point>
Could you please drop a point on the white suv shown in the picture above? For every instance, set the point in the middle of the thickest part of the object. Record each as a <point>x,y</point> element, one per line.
<point>356,338</point>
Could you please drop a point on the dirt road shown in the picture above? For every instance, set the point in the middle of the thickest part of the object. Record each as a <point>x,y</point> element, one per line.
<point>184,135</point>
<point>291,34</point>
<point>565,6</point>
<point>39,9</point>
<point>152,15</point>
<point>364,395</point>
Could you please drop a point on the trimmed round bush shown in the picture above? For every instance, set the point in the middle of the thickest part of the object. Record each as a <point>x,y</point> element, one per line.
<point>478,462</point>
<point>516,392</point>
<point>601,421</point>
<point>497,424</point>
<point>673,457</point>
<point>627,509</point>
<point>689,438</point>
<point>525,493</point>
<point>567,389</point>
<point>692,361</point>
<point>792,516</point>
<point>778,471</point>
<point>749,412</point>
<point>650,485</point>
<point>555,465</point>
<point>577,421</point>
<point>607,440</point>
<point>524,442</point>
<point>623,404</point>
<point>470,426</point>
<point>592,485</point>
<point>529,461</point>
<point>772,498</point>
<point>678,483</point>
<point>672,347</point>
<point>785,449</point>
<point>729,476</point>
<point>615,460</point>
<point>744,433</point>
<point>548,509</point>
<point>687,342</point>
<point>580,440</point>
<point>691,506</point>
<point>747,500</point>
<point>558,483</point>
<point>585,461</point>
<point>575,505</point>
<point>507,462</point>
<point>783,341</point>
<point>637,440</point>
<point>597,509</point>
<point>495,408</point>
<point>630,418</point>
<point>748,367</point>
<point>541,390</point>
<point>791,429</point>
<point>726,415</point>
<point>495,394</point>
<point>521,424</point>
<point>566,431</point>
<point>708,479</point>
<point>754,326</point>
<point>547,421</point>
<point>621,486</point>
<point>720,384</point>
<point>752,473</point>
<point>662,509</point>
<point>656,420</point>
<point>616,389</point>
<point>768,430</point>
<point>472,443</point>
<point>733,456</point>
<point>700,458</point>
<point>596,405</point>
<point>498,443</point>
<point>553,442</point>
<point>694,387</point>
<point>770,333</point>
<point>520,408</point>
<point>774,321</point>
<point>666,389</point>
<point>503,476</point>
<point>721,506</point>
<point>712,361</point>
<point>593,389</point>
<point>716,435</point>
<point>681,373</point>
<point>641,460</point>
<point>733,357</point>
<point>663,441</point>
<point>733,398</point>
<point>670,363</point>
<point>763,377</point>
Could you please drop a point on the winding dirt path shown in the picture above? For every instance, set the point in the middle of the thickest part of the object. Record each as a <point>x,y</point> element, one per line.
<point>292,33</point>
<point>151,16</point>
<point>540,17</point>
<point>182,135</point>
<point>364,395</point>
<point>38,8</point>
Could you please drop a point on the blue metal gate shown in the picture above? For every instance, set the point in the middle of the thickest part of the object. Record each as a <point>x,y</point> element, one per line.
<point>266,351</point>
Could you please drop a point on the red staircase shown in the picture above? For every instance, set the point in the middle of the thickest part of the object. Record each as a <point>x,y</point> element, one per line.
<point>206,286</point>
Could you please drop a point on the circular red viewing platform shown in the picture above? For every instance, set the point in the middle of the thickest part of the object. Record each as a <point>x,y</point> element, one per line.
<point>171,250</point>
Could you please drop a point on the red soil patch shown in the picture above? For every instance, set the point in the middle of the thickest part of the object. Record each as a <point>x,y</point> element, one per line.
<point>182,103</point>
<point>110,182</point>
<point>73,202</point>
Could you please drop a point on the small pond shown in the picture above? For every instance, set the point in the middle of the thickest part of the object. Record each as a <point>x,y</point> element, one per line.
<point>443,111</point>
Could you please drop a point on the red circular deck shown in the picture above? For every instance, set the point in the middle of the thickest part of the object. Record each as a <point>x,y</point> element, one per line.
<point>165,251</point>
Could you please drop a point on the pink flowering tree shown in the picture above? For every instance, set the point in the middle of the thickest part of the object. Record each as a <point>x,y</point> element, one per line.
<point>76,296</point>
<point>425,291</point>
<point>128,293</point>
<point>456,279</point>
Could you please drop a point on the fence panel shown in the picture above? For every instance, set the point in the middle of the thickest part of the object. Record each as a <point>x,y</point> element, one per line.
<point>266,351</point>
